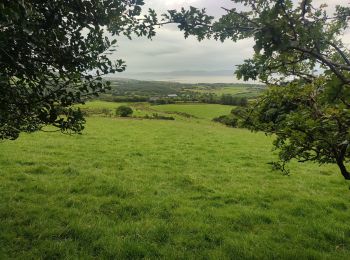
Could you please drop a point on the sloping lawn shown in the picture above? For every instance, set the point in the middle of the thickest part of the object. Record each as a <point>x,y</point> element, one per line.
<point>131,189</point>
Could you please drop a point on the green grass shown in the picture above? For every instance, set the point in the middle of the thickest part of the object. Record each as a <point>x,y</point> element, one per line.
<point>183,189</point>
<point>104,108</point>
<point>97,104</point>
<point>203,111</point>
<point>241,91</point>
<point>223,90</point>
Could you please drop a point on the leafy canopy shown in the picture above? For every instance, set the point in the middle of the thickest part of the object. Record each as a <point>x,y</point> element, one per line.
<point>307,127</point>
<point>53,54</point>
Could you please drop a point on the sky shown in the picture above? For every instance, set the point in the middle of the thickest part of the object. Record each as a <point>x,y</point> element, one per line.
<point>168,56</point>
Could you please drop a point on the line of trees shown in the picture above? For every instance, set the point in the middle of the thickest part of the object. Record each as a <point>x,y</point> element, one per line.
<point>225,99</point>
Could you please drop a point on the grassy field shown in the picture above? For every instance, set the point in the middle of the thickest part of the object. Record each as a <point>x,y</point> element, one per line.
<point>183,189</point>
<point>103,108</point>
<point>222,90</point>
<point>241,91</point>
<point>202,111</point>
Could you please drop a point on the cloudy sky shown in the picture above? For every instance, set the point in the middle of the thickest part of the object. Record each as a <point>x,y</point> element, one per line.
<point>171,57</point>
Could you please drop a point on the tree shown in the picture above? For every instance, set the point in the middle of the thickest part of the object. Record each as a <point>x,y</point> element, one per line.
<point>227,120</point>
<point>298,50</point>
<point>306,126</point>
<point>124,111</point>
<point>53,54</point>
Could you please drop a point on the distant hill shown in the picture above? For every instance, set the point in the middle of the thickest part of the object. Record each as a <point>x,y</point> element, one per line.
<point>186,73</point>
<point>127,87</point>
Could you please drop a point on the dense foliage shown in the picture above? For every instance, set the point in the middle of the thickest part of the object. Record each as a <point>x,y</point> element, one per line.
<point>228,120</point>
<point>307,127</point>
<point>227,99</point>
<point>298,49</point>
<point>124,111</point>
<point>52,55</point>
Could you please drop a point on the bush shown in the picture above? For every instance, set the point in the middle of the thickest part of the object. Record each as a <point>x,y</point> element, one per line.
<point>160,117</point>
<point>228,99</point>
<point>124,111</point>
<point>228,120</point>
<point>106,111</point>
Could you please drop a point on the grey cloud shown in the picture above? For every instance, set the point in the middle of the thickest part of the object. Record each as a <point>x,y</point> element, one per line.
<point>182,54</point>
<point>162,52</point>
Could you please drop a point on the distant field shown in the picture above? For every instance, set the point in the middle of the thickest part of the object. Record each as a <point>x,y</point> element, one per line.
<point>153,189</point>
<point>97,107</point>
<point>204,111</point>
<point>223,90</point>
<point>125,88</point>
<point>243,91</point>
<point>201,111</point>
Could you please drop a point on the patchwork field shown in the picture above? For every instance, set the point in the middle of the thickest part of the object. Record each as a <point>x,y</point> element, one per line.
<point>183,189</point>
<point>235,90</point>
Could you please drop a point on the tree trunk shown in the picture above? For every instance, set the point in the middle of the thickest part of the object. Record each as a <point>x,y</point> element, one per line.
<point>343,169</point>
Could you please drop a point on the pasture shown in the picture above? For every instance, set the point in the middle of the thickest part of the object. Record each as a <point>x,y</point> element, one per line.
<point>201,111</point>
<point>235,90</point>
<point>183,189</point>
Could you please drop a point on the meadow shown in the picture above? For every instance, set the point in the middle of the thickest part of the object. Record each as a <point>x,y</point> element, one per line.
<point>233,90</point>
<point>127,90</point>
<point>249,91</point>
<point>183,189</point>
<point>201,111</point>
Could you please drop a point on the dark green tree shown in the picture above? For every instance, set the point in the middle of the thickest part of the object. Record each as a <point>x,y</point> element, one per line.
<point>299,50</point>
<point>53,54</point>
<point>307,127</point>
<point>124,111</point>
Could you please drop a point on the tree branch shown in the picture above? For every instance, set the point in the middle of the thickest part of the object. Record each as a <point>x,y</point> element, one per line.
<point>342,54</point>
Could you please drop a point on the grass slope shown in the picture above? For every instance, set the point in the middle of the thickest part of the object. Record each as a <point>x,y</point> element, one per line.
<point>183,189</point>
<point>103,108</point>
<point>203,111</point>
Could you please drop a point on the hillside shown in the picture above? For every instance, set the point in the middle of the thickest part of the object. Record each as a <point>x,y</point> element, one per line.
<point>182,189</point>
<point>130,87</point>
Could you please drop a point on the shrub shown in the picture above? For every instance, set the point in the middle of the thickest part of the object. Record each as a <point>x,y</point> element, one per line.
<point>228,120</point>
<point>106,111</point>
<point>124,111</point>
<point>160,117</point>
<point>228,99</point>
<point>162,101</point>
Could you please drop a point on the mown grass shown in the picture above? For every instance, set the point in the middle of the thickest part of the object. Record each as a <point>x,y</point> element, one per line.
<point>183,189</point>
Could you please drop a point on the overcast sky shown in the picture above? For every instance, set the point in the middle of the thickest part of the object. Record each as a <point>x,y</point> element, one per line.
<point>169,51</point>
